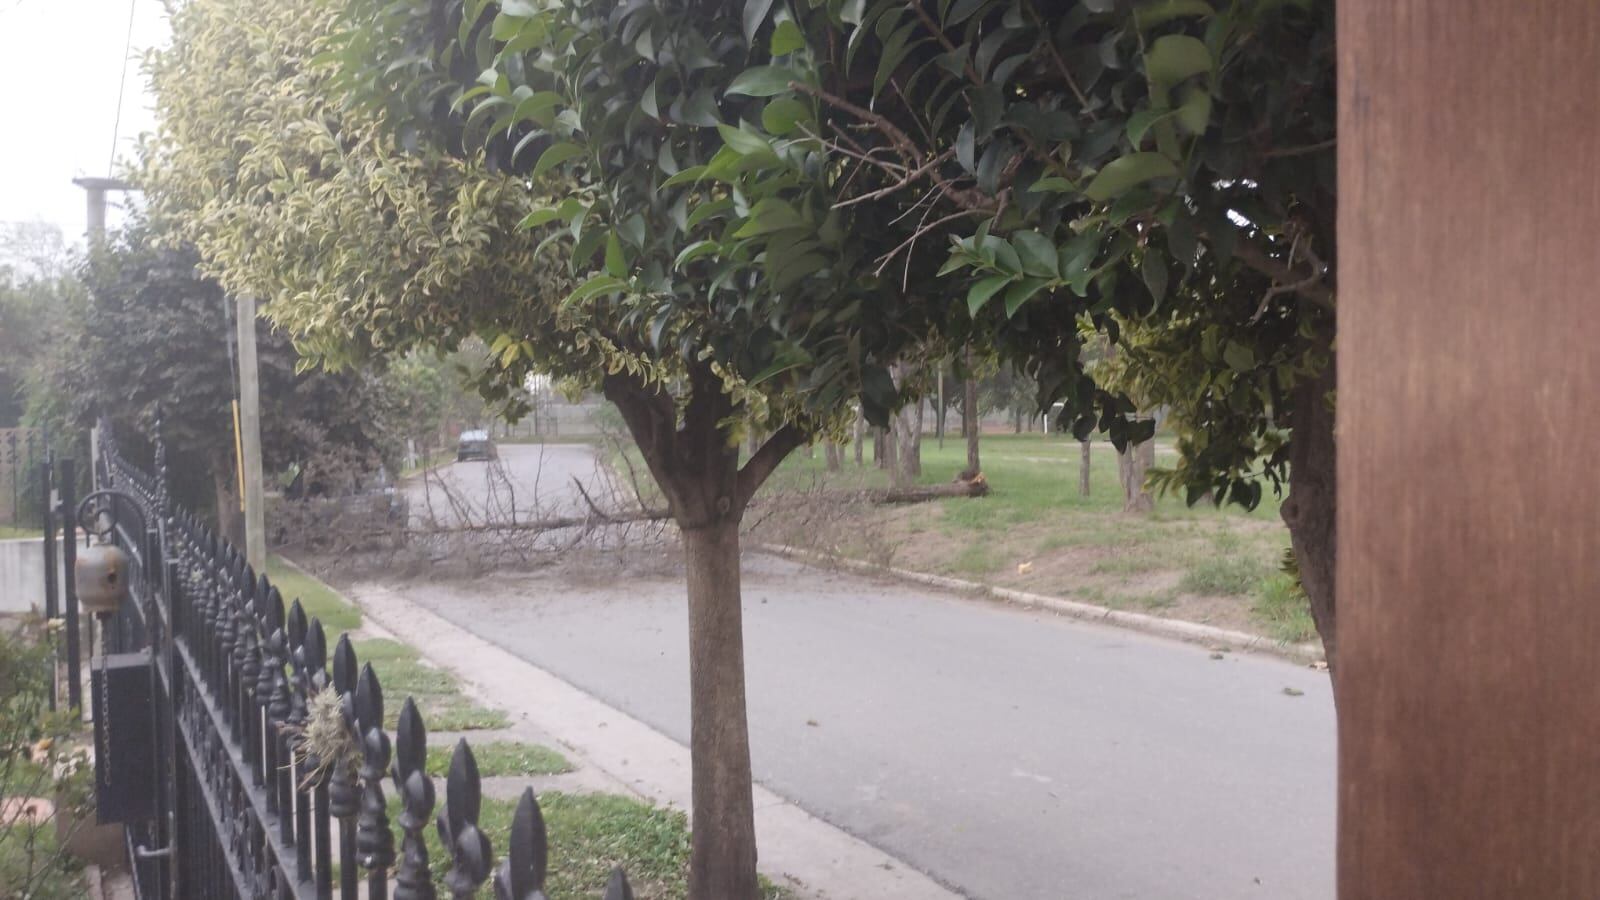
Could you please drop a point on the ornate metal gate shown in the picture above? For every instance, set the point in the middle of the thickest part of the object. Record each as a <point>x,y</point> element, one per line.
<point>238,804</point>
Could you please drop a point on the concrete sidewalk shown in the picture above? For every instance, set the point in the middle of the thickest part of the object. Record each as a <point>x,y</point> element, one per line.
<point>812,857</point>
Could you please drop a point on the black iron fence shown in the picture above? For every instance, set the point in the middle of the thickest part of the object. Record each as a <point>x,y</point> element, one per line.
<point>267,759</point>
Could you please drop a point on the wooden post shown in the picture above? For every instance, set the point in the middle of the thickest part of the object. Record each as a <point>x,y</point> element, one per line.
<point>255,531</point>
<point>1469,514</point>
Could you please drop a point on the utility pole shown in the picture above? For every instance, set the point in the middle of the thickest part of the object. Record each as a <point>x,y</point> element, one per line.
<point>95,212</point>
<point>255,532</point>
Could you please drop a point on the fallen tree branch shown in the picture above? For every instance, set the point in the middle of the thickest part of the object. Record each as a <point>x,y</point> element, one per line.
<point>554,523</point>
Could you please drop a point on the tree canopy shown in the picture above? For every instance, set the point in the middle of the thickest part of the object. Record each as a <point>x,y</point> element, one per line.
<point>741,215</point>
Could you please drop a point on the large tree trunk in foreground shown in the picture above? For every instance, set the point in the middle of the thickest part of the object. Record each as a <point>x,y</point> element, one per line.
<point>1131,466</point>
<point>1083,468</point>
<point>723,861</point>
<point>1311,507</point>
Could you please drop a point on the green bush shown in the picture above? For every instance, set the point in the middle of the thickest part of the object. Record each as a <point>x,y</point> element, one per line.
<point>40,759</point>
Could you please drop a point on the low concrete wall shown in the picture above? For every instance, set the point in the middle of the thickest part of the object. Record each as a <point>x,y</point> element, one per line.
<point>22,574</point>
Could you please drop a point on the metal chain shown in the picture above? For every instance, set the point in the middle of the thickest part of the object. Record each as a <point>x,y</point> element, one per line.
<point>105,702</point>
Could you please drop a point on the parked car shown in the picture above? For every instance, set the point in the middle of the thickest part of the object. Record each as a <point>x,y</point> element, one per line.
<point>475,445</point>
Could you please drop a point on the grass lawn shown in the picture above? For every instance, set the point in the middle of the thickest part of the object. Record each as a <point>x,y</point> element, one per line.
<point>1035,532</point>
<point>402,673</point>
<point>7,532</point>
<point>319,600</point>
<point>400,668</point>
<point>589,835</point>
<point>503,758</point>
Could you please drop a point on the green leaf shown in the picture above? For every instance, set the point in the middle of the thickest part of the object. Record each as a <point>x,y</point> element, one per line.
<point>1239,357</point>
<point>1038,254</point>
<point>763,81</point>
<point>1194,115</point>
<point>768,216</point>
<point>784,114</point>
<point>1121,174</point>
<point>966,147</point>
<point>1018,293</point>
<point>700,108</point>
<point>533,107</point>
<point>755,12</point>
<point>1139,123</point>
<point>693,252</point>
<point>555,156</point>
<point>539,217</point>
<point>1154,271</point>
<point>795,268</point>
<point>1053,184</point>
<point>703,211</point>
<point>982,290</point>
<point>598,284</point>
<point>691,174</point>
<point>894,50</point>
<point>785,361</point>
<point>1174,57</point>
<point>616,264</point>
<point>787,38</point>
<point>743,142</point>
<point>647,101</point>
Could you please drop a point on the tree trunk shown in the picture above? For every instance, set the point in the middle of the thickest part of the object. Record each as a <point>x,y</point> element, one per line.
<point>707,491</point>
<point>834,454</point>
<point>916,443</point>
<point>723,860</point>
<point>230,519</point>
<point>1083,469</point>
<point>1131,466</point>
<point>880,441</point>
<point>939,410</point>
<point>906,448</point>
<point>1310,508</point>
<point>970,424</point>
<point>859,435</point>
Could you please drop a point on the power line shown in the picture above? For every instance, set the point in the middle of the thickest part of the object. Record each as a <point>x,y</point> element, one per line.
<point>122,85</point>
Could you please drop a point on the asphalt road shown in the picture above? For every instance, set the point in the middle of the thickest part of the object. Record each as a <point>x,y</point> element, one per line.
<point>530,480</point>
<point>1011,754</point>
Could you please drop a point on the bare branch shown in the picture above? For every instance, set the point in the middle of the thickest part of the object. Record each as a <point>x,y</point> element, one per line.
<point>966,198</point>
<point>884,260</point>
<point>1312,286</point>
<point>910,176</point>
<point>1282,152</point>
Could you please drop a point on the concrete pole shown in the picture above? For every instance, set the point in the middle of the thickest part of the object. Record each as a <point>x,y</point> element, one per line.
<point>95,214</point>
<point>255,532</point>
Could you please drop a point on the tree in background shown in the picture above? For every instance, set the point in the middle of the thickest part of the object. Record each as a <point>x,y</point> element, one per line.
<point>37,289</point>
<point>150,333</point>
<point>1161,164</point>
<point>683,247</point>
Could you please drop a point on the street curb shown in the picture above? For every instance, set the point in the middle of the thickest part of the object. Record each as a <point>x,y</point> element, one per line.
<point>817,860</point>
<point>1189,632</point>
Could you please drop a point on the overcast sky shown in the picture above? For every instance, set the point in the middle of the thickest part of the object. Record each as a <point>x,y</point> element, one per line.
<point>60,62</point>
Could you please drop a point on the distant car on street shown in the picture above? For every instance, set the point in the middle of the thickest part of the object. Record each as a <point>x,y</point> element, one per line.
<point>475,445</point>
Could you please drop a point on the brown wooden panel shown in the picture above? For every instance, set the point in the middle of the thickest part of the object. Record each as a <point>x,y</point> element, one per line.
<point>1469,435</point>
